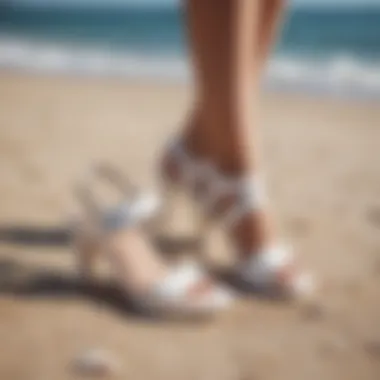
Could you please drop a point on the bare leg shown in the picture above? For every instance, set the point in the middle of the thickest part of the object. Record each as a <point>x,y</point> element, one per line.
<point>270,12</point>
<point>270,21</point>
<point>230,41</point>
<point>227,62</point>
<point>222,48</point>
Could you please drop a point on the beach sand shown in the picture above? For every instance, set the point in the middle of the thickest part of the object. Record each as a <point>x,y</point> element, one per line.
<point>323,167</point>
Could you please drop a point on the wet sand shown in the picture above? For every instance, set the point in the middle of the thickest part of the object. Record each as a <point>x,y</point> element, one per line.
<point>323,171</point>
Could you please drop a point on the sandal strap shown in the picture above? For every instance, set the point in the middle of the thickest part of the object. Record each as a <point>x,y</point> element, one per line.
<point>172,293</point>
<point>134,207</point>
<point>262,267</point>
<point>178,283</point>
<point>250,196</point>
<point>249,191</point>
<point>191,168</point>
<point>263,270</point>
<point>130,213</point>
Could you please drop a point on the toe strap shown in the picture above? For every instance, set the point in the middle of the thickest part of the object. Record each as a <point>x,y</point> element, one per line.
<point>274,268</point>
<point>179,281</point>
<point>174,291</point>
<point>263,267</point>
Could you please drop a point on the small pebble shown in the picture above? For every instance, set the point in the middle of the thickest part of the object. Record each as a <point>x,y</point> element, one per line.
<point>96,363</point>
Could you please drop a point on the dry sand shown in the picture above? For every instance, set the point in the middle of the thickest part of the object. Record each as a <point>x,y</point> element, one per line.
<point>324,173</point>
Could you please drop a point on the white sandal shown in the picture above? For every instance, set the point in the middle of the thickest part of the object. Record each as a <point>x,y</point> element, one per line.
<point>171,296</point>
<point>133,208</point>
<point>190,171</point>
<point>270,270</point>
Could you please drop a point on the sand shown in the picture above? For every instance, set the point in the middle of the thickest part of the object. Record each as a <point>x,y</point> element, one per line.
<point>323,169</point>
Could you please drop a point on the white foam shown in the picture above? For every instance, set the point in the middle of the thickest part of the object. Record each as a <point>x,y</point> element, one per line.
<point>340,74</point>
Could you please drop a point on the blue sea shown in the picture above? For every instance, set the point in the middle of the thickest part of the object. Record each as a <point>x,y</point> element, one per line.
<point>327,50</point>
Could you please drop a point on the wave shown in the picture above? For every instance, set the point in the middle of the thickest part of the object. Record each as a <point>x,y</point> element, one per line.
<point>339,74</point>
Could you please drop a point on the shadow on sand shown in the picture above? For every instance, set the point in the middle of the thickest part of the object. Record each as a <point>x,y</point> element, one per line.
<point>23,281</point>
<point>59,236</point>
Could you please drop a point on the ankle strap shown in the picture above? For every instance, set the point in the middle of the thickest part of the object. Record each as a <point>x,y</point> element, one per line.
<point>250,196</point>
<point>130,213</point>
<point>249,191</point>
<point>134,207</point>
<point>192,169</point>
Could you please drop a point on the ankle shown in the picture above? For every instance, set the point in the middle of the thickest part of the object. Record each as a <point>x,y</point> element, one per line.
<point>253,233</point>
<point>194,140</point>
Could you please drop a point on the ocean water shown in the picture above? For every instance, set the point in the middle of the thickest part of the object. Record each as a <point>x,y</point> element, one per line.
<point>324,50</point>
